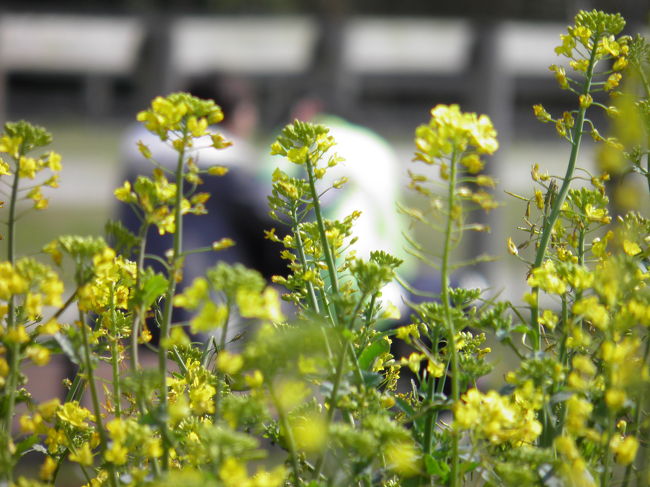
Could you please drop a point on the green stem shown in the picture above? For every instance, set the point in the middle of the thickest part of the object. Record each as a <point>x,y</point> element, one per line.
<point>561,196</point>
<point>329,260</point>
<point>220,375</point>
<point>169,297</point>
<point>90,375</point>
<point>289,437</point>
<point>13,349</point>
<point>451,329</point>
<point>303,261</point>
<point>114,342</point>
<point>139,314</point>
<point>638,411</point>
<point>604,479</point>
<point>332,402</point>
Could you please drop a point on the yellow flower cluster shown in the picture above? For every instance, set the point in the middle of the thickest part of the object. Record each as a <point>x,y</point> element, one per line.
<point>112,284</point>
<point>38,283</point>
<point>233,474</point>
<point>452,131</point>
<point>496,418</point>
<point>180,114</point>
<point>18,139</point>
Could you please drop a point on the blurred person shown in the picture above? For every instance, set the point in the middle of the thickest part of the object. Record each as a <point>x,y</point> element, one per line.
<point>237,207</point>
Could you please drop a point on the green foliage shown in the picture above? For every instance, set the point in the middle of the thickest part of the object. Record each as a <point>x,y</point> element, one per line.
<point>314,397</point>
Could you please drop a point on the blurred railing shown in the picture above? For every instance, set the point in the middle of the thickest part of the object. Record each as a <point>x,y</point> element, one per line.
<point>382,53</point>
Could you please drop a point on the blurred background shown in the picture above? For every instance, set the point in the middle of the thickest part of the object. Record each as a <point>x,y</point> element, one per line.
<point>84,68</point>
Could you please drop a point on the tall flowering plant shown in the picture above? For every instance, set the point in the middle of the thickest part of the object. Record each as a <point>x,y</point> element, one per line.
<point>316,397</point>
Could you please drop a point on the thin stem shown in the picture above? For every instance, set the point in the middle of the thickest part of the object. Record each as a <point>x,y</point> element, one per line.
<point>638,412</point>
<point>220,375</point>
<point>332,401</point>
<point>139,313</point>
<point>169,296</point>
<point>451,329</point>
<point>13,349</point>
<point>329,260</point>
<point>90,374</point>
<point>114,345</point>
<point>561,196</point>
<point>303,261</point>
<point>289,437</point>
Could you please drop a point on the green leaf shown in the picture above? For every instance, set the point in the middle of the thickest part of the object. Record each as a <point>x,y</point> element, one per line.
<point>27,444</point>
<point>372,351</point>
<point>371,379</point>
<point>404,406</point>
<point>436,467</point>
<point>153,286</point>
<point>466,467</point>
<point>68,348</point>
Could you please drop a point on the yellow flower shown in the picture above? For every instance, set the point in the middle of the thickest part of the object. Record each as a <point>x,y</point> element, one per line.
<point>255,380</point>
<point>585,101</point>
<point>116,454</point>
<point>541,113</point>
<point>560,76</point>
<point>591,309</point>
<point>436,369</point>
<point>275,478</point>
<point>578,412</point>
<point>202,399</point>
<point>38,354</point>
<point>117,430</point>
<point>48,408</point>
<point>5,170</point>
<point>309,432</point>
<point>33,305</point>
<point>545,277</point>
<point>211,316</point>
<point>82,455</point>
<point>74,414</point>
<point>612,81</point>
<point>222,244</point>
<point>624,449</point>
<point>290,393</point>
<point>233,473</point>
<point>153,448</point>
<point>512,247</point>
<point>125,194</point>
<point>413,361</point>
<point>47,469</point>
<point>548,319</point>
<point>473,163</point>
<point>403,458</point>
<point>229,363</point>
<point>17,335</point>
<point>631,248</point>
<point>49,328</point>
<point>27,167</point>
<point>615,399</point>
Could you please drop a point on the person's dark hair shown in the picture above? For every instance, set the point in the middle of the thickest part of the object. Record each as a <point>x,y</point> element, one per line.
<point>227,92</point>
